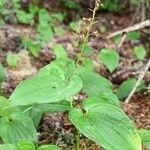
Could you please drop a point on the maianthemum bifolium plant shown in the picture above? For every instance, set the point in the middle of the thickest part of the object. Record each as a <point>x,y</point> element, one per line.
<point>99,118</point>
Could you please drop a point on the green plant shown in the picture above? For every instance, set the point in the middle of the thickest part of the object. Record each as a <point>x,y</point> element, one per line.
<point>126,87</point>
<point>24,17</point>
<point>54,84</point>
<point>45,27</point>
<point>33,46</point>
<point>140,52</point>
<point>134,35</point>
<point>52,89</point>
<point>60,51</point>
<point>131,36</point>
<point>109,58</point>
<point>12,59</point>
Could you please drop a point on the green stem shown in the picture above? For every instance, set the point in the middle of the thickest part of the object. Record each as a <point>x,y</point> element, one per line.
<point>71,102</point>
<point>78,60</point>
<point>78,140</point>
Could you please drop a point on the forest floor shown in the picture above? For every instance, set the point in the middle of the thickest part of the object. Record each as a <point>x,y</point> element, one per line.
<point>56,128</point>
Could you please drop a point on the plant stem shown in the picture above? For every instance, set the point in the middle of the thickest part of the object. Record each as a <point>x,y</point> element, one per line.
<point>79,58</point>
<point>86,36</point>
<point>78,140</point>
<point>71,102</point>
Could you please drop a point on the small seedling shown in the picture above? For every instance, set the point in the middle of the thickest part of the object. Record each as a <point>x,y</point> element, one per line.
<point>32,46</point>
<point>110,58</point>
<point>134,35</point>
<point>140,52</point>
<point>12,59</point>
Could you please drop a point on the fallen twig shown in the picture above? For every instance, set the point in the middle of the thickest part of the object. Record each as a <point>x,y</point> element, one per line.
<point>131,28</point>
<point>123,38</point>
<point>141,76</point>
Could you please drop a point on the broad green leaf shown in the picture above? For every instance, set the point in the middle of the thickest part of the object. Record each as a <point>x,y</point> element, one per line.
<point>93,83</point>
<point>8,147</point>
<point>2,73</point>
<point>109,58</point>
<point>48,86</point>
<point>12,59</point>
<point>126,87</point>
<point>25,145</point>
<point>19,127</point>
<point>107,125</point>
<point>145,136</point>
<point>60,51</point>
<point>48,147</point>
<point>140,52</point>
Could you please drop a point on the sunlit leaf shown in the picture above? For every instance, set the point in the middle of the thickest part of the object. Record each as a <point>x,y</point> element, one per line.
<point>25,145</point>
<point>48,86</point>
<point>107,125</point>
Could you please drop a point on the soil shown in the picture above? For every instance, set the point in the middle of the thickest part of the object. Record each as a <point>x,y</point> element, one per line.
<point>56,128</point>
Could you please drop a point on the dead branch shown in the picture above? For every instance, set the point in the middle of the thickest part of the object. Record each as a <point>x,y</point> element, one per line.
<point>141,76</point>
<point>131,28</point>
<point>123,38</point>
